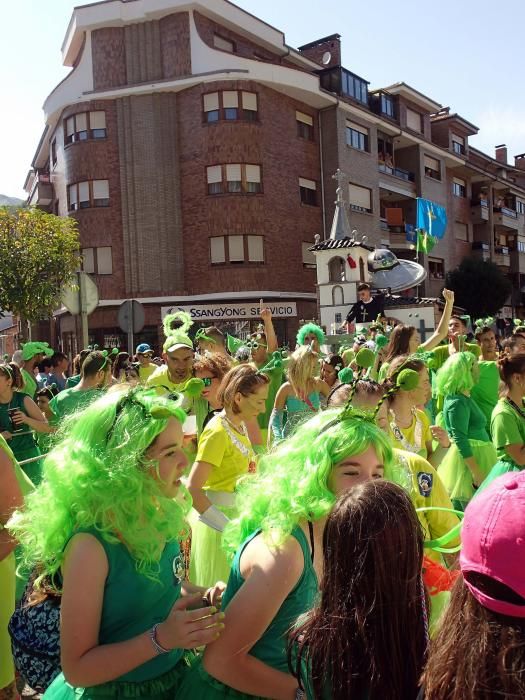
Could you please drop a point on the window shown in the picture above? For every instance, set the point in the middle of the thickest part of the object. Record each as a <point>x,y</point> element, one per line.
<point>360,198</point>
<point>436,268</point>
<point>520,206</point>
<point>83,195</point>
<point>432,167</point>
<point>234,178</point>
<point>84,126</point>
<point>458,144</point>
<point>308,191</point>
<point>308,256</point>
<point>230,105</point>
<point>54,152</point>
<point>414,120</point>
<point>337,270</point>
<point>461,231</point>
<point>387,106</point>
<point>239,249</point>
<point>223,44</point>
<point>459,187</point>
<point>521,246</point>
<point>354,87</point>
<point>97,261</point>
<point>305,126</point>
<point>356,136</point>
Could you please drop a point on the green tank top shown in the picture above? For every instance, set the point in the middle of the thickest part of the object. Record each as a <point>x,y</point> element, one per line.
<point>133,602</point>
<point>19,444</point>
<point>272,647</point>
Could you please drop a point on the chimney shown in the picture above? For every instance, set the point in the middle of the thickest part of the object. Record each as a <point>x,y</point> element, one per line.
<point>326,51</point>
<point>501,153</point>
<point>519,161</point>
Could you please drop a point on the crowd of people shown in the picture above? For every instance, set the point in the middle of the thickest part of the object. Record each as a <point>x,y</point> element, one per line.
<point>241,521</point>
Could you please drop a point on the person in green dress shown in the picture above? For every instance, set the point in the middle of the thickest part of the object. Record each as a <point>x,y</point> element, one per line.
<point>32,355</point>
<point>471,455</point>
<point>277,541</point>
<point>367,635</point>
<point>19,417</point>
<point>107,522</point>
<point>508,419</point>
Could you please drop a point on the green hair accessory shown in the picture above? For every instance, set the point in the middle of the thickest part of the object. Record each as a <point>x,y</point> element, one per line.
<point>193,388</point>
<point>346,375</point>
<point>6,358</point>
<point>182,321</point>
<point>33,348</point>
<point>407,380</point>
<point>275,361</point>
<point>234,344</point>
<point>381,341</point>
<point>155,412</point>
<point>310,329</point>
<point>108,354</point>
<point>201,335</point>
<point>484,322</point>
<point>519,324</point>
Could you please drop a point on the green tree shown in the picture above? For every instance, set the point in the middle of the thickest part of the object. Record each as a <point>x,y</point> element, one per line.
<point>479,286</point>
<point>39,253</point>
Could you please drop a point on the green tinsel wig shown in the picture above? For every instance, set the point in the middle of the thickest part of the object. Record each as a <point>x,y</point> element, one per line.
<point>310,329</point>
<point>293,482</point>
<point>458,374</point>
<point>97,476</point>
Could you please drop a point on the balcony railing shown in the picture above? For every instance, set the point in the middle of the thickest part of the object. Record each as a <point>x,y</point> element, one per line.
<point>396,172</point>
<point>502,256</point>
<point>506,211</point>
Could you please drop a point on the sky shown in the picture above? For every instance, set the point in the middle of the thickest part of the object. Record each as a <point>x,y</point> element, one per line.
<point>464,54</point>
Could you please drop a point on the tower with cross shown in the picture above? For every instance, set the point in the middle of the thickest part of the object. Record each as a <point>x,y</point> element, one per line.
<point>341,262</point>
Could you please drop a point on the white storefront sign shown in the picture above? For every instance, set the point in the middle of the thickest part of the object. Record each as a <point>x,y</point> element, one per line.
<point>224,312</point>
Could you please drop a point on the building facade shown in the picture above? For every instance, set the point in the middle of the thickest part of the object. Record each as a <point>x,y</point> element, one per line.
<point>196,150</point>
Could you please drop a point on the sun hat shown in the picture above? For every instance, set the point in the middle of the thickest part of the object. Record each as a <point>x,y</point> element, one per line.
<point>142,349</point>
<point>493,541</point>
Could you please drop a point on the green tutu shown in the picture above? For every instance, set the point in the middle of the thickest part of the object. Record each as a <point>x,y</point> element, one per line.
<point>199,685</point>
<point>500,468</point>
<point>165,687</point>
<point>456,476</point>
<point>208,561</point>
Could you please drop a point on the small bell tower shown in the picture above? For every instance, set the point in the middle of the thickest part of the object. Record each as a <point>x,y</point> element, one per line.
<point>341,262</point>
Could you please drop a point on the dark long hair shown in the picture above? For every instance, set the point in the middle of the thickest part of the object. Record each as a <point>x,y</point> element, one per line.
<point>399,343</point>
<point>367,637</point>
<point>477,654</point>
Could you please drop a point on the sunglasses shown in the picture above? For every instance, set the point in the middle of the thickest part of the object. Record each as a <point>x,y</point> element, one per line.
<point>207,381</point>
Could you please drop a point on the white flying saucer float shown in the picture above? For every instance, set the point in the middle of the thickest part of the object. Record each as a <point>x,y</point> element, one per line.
<point>387,271</point>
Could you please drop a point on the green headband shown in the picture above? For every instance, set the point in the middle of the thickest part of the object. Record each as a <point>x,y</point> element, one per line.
<point>201,335</point>
<point>106,354</point>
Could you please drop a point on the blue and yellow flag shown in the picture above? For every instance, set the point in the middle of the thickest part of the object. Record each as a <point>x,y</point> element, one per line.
<point>431,217</point>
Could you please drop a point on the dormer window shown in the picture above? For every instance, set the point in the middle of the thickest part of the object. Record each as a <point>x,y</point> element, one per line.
<point>414,120</point>
<point>458,144</point>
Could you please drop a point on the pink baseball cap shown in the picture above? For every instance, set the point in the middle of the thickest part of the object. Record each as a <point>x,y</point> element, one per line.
<point>493,541</point>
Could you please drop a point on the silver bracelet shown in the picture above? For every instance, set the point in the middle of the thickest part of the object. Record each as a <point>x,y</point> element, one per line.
<point>159,649</point>
<point>300,694</point>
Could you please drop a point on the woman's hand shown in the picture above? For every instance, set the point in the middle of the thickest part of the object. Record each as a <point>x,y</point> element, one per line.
<point>184,629</point>
<point>6,435</point>
<point>441,435</point>
<point>214,594</point>
<point>19,417</point>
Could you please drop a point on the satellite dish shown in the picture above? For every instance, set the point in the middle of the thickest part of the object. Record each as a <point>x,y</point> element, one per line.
<point>388,272</point>
<point>327,57</point>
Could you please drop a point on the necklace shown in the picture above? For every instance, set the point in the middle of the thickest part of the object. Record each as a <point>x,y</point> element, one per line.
<point>415,446</point>
<point>515,406</point>
<point>231,429</point>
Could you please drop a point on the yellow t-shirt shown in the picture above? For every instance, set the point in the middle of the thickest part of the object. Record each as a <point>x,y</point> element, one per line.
<point>217,448</point>
<point>145,371</point>
<point>415,437</point>
<point>161,378</point>
<point>427,490</point>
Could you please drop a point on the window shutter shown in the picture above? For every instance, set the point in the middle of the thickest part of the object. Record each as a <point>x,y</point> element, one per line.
<point>217,249</point>
<point>214,174</point>
<point>459,181</point>
<point>357,127</point>
<point>70,126</point>
<point>81,121</point>
<point>104,261</point>
<point>88,262</point>
<point>211,102</point>
<point>72,196</point>
<point>309,184</point>
<point>83,191</point>
<point>413,120</point>
<point>230,98</point>
<point>432,163</point>
<point>100,189</point>
<point>236,248</point>
<point>249,101</point>
<point>359,196</point>
<point>223,44</point>
<point>97,120</point>
<point>253,173</point>
<point>233,172</point>
<point>304,118</point>
<point>458,139</point>
<point>255,249</point>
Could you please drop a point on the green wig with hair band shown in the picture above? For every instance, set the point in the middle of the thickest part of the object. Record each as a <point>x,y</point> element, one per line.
<point>176,327</point>
<point>457,375</point>
<point>310,329</point>
<point>98,476</point>
<point>292,482</point>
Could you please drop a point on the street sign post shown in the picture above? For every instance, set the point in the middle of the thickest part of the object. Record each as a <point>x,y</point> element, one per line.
<point>81,299</point>
<point>131,318</point>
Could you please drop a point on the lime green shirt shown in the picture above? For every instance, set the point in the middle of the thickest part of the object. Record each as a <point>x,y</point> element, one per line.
<point>507,428</point>
<point>70,401</point>
<point>145,371</point>
<point>486,390</point>
<point>30,386</point>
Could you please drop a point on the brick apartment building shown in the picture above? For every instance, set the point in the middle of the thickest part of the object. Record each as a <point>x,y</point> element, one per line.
<point>196,150</point>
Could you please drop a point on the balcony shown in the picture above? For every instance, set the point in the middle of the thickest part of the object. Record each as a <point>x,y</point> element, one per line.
<point>343,82</point>
<point>517,261</point>
<point>507,218</point>
<point>481,250</point>
<point>480,211</point>
<point>42,192</point>
<point>502,257</point>
<point>395,172</point>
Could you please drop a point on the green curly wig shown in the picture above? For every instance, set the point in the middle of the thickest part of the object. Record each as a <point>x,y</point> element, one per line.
<point>458,374</point>
<point>98,477</point>
<point>310,329</point>
<point>292,482</point>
